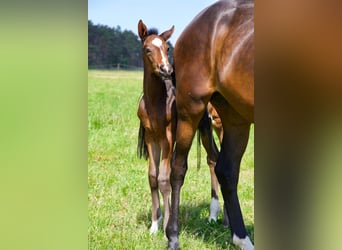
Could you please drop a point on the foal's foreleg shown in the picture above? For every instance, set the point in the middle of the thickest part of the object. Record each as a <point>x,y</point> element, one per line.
<point>164,174</point>
<point>153,172</point>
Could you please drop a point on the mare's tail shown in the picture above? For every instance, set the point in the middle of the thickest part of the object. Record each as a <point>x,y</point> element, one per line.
<point>142,147</point>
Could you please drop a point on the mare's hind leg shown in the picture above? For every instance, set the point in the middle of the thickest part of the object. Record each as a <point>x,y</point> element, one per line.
<point>153,172</point>
<point>235,139</point>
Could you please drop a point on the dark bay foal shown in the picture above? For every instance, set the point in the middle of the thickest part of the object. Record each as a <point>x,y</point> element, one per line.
<point>158,120</point>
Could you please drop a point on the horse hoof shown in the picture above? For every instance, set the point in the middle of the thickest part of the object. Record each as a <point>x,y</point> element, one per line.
<point>173,248</point>
<point>212,220</point>
<point>244,243</point>
<point>225,223</point>
<point>173,244</point>
<point>153,228</point>
<point>155,225</point>
<point>214,209</point>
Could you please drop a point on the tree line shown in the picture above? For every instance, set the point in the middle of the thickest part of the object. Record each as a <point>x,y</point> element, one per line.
<point>110,47</point>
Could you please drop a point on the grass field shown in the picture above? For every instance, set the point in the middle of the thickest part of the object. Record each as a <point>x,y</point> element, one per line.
<point>119,202</point>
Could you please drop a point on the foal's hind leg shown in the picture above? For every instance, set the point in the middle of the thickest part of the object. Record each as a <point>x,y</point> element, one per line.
<point>153,172</point>
<point>212,154</point>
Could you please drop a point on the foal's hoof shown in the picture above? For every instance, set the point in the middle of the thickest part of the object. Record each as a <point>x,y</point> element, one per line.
<point>153,228</point>
<point>225,223</point>
<point>214,209</point>
<point>173,244</point>
<point>155,225</point>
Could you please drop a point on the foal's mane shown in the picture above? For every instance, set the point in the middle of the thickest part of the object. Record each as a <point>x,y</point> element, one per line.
<point>152,31</point>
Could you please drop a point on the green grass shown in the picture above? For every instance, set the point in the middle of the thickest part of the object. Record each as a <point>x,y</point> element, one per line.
<point>119,199</point>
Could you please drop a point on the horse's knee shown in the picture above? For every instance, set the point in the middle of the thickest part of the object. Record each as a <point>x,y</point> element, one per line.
<point>164,185</point>
<point>177,177</point>
<point>152,178</point>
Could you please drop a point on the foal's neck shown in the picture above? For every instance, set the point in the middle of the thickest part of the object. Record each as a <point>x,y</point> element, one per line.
<point>153,86</point>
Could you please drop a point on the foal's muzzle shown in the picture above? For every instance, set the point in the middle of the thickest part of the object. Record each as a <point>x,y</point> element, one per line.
<point>165,71</point>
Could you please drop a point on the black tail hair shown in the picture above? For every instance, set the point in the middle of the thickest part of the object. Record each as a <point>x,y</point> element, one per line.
<point>173,75</point>
<point>198,148</point>
<point>205,131</point>
<point>142,147</point>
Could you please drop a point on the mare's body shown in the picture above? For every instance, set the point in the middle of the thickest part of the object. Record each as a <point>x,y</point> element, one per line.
<point>214,61</point>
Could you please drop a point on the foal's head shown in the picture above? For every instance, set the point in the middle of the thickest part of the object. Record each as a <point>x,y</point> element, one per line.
<point>155,50</point>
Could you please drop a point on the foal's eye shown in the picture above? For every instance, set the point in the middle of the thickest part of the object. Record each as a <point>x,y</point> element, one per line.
<point>147,50</point>
<point>168,49</point>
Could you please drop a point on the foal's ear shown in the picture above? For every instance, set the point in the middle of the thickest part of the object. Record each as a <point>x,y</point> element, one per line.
<point>142,30</point>
<point>167,34</point>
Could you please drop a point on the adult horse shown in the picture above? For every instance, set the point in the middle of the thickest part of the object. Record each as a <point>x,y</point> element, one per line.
<point>214,61</point>
<point>157,114</point>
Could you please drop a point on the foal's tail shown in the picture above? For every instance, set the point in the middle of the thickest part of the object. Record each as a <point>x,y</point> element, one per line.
<point>206,133</point>
<point>142,147</point>
<point>198,148</point>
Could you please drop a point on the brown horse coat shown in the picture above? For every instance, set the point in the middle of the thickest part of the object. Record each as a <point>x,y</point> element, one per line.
<point>214,61</point>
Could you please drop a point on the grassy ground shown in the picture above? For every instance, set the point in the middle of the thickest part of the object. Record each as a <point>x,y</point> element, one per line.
<point>118,191</point>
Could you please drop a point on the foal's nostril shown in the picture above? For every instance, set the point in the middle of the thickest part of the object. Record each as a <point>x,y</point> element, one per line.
<point>162,68</point>
<point>165,69</point>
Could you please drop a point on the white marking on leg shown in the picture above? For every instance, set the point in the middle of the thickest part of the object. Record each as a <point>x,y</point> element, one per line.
<point>244,244</point>
<point>155,225</point>
<point>214,209</point>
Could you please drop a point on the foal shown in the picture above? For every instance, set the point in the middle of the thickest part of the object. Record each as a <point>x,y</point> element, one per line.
<point>158,119</point>
<point>156,112</point>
